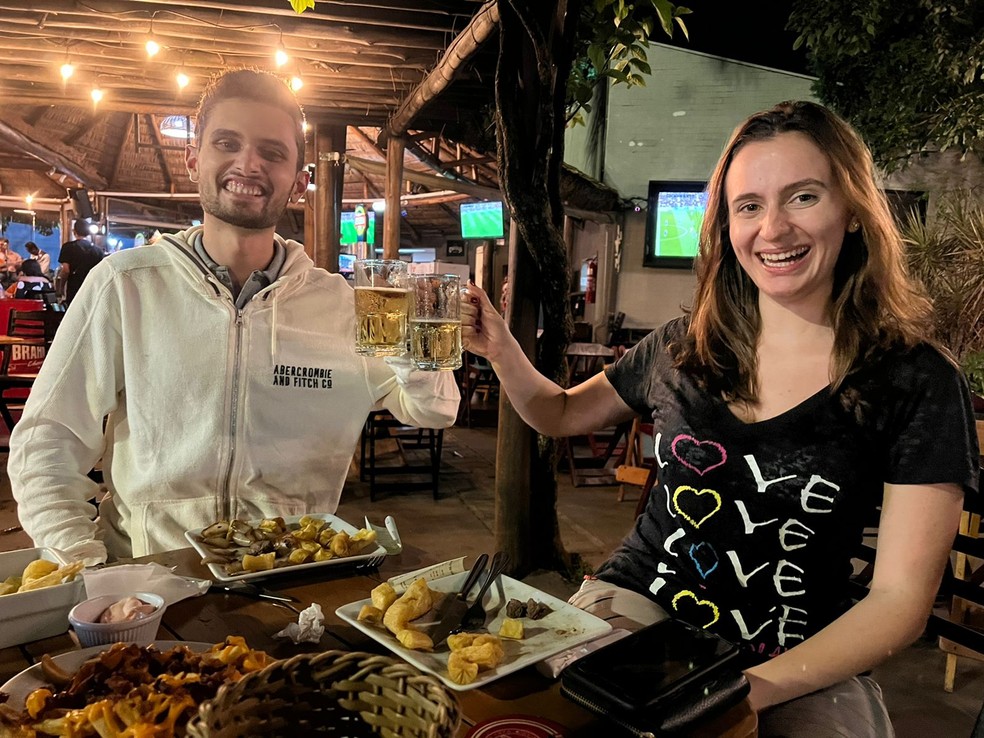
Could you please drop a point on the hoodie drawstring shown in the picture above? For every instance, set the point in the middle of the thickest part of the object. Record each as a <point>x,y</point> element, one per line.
<point>273,327</point>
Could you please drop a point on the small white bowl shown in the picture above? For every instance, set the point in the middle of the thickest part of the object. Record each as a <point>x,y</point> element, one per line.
<point>141,632</point>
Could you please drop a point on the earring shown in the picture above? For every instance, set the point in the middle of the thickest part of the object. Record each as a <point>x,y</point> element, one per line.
<point>853,227</point>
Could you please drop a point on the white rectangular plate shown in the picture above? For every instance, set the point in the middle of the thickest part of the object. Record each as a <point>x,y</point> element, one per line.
<point>334,521</point>
<point>565,627</point>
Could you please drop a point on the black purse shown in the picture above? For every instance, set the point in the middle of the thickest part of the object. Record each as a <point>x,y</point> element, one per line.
<point>663,679</point>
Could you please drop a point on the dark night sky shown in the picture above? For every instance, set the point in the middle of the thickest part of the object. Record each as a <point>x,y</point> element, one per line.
<point>752,32</point>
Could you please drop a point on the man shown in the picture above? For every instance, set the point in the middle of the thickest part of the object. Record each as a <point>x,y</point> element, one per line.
<point>224,361</point>
<point>77,259</point>
<point>42,257</point>
<point>10,262</point>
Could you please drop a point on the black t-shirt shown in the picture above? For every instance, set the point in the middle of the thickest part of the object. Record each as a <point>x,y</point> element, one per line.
<point>750,528</point>
<point>81,256</point>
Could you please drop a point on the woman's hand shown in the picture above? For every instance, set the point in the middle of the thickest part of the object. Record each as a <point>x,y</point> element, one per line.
<point>483,331</point>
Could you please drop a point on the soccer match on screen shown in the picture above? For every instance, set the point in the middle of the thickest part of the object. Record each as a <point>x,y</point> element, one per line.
<point>678,219</point>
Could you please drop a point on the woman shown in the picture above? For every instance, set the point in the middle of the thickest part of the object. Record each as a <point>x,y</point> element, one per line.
<point>31,282</point>
<point>798,395</point>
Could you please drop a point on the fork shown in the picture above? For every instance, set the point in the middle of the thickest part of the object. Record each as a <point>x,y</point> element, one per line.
<point>475,616</point>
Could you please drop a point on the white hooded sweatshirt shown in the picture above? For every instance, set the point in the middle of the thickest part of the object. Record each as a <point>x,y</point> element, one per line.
<point>212,412</point>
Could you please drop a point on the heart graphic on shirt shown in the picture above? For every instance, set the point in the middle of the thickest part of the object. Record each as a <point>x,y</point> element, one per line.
<point>705,558</point>
<point>698,456</point>
<point>687,594</point>
<point>693,500</point>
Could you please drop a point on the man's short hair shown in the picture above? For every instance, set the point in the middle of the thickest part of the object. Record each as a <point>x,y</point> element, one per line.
<point>32,248</point>
<point>255,85</point>
<point>81,228</point>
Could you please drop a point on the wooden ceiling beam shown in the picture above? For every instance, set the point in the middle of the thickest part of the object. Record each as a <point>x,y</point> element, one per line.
<point>113,155</point>
<point>161,156</point>
<point>459,51</point>
<point>28,139</point>
<point>390,35</point>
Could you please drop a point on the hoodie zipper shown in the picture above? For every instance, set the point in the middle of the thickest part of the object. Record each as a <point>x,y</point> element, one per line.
<point>226,493</point>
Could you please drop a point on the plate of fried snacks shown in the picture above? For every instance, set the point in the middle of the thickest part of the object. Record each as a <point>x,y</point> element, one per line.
<point>523,625</point>
<point>240,549</point>
<point>122,690</point>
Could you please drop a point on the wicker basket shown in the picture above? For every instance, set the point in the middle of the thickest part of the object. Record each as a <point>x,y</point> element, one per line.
<point>332,693</point>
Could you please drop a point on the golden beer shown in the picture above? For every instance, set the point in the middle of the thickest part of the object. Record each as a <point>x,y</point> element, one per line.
<point>435,343</point>
<point>381,321</point>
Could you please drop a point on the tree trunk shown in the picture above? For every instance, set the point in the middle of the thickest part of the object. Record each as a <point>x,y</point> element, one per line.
<point>531,76</point>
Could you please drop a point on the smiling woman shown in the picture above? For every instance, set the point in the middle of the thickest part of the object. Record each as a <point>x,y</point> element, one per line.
<point>799,396</point>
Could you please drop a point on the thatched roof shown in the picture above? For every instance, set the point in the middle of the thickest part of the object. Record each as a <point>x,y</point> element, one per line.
<point>362,65</point>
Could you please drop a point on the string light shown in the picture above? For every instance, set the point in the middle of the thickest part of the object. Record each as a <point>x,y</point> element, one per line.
<point>296,83</point>
<point>29,199</point>
<point>152,47</point>
<point>67,70</point>
<point>97,95</point>
<point>280,56</point>
<point>182,80</point>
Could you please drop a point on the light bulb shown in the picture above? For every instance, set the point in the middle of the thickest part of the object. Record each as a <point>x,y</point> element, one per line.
<point>182,80</point>
<point>296,83</point>
<point>96,94</point>
<point>281,56</point>
<point>29,199</point>
<point>304,126</point>
<point>152,47</point>
<point>67,70</point>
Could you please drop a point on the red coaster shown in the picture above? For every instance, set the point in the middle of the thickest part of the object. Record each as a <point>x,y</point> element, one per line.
<point>517,726</point>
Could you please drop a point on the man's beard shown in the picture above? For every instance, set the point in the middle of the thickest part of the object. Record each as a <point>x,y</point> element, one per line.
<point>241,217</point>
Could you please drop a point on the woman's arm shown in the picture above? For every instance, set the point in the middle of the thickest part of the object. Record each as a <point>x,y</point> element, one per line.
<point>915,534</point>
<point>545,406</point>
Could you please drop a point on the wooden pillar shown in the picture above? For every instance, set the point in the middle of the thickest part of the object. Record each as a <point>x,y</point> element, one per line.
<point>516,440</point>
<point>330,178</point>
<point>394,178</point>
<point>310,205</point>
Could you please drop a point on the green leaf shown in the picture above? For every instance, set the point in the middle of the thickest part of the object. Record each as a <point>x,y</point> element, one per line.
<point>664,9</point>
<point>683,27</point>
<point>300,6</point>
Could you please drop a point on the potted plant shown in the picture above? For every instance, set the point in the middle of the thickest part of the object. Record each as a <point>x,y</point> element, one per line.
<point>946,252</point>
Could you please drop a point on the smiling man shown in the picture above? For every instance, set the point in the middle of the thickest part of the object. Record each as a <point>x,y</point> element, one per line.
<point>221,358</point>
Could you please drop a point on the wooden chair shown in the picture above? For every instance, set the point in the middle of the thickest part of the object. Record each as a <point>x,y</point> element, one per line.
<point>381,427</point>
<point>26,324</point>
<point>961,629</point>
<point>962,633</point>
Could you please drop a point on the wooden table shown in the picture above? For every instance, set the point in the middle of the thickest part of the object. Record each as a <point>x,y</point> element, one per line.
<point>212,616</point>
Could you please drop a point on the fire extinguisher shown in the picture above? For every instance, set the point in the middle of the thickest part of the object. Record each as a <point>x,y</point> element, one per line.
<point>592,278</point>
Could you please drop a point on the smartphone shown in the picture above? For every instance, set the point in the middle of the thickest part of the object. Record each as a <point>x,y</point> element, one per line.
<point>648,668</point>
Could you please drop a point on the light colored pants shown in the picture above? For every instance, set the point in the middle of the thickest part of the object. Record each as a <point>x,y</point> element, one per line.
<point>850,709</point>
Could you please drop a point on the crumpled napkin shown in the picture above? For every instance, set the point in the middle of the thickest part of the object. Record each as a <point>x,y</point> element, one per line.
<point>154,578</point>
<point>310,626</point>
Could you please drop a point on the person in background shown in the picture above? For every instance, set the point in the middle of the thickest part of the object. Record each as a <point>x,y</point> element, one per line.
<point>41,257</point>
<point>30,283</point>
<point>800,394</point>
<point>222,360</point>
<point>77,259</point>
<point>10,262</point>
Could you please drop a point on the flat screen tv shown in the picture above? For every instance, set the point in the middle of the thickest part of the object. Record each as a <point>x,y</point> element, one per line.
<point>676,211</point>
<point>346,264</point>
<point>481,220</point>
<point>348,228</point>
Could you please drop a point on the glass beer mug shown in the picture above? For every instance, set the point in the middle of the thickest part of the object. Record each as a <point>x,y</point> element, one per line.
<point>381,304</point>
<point>435,321</point>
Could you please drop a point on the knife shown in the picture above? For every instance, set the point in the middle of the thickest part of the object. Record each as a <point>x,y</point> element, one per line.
<point>250,590</point>
<point>453,608</point>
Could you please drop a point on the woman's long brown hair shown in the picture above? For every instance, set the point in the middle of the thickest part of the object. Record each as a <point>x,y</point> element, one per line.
<point>875,303</point>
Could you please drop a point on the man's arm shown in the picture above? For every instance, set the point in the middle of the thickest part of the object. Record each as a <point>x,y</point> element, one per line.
<point>61,280</point>
<point>419,398</point>
<point>60,436</point>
